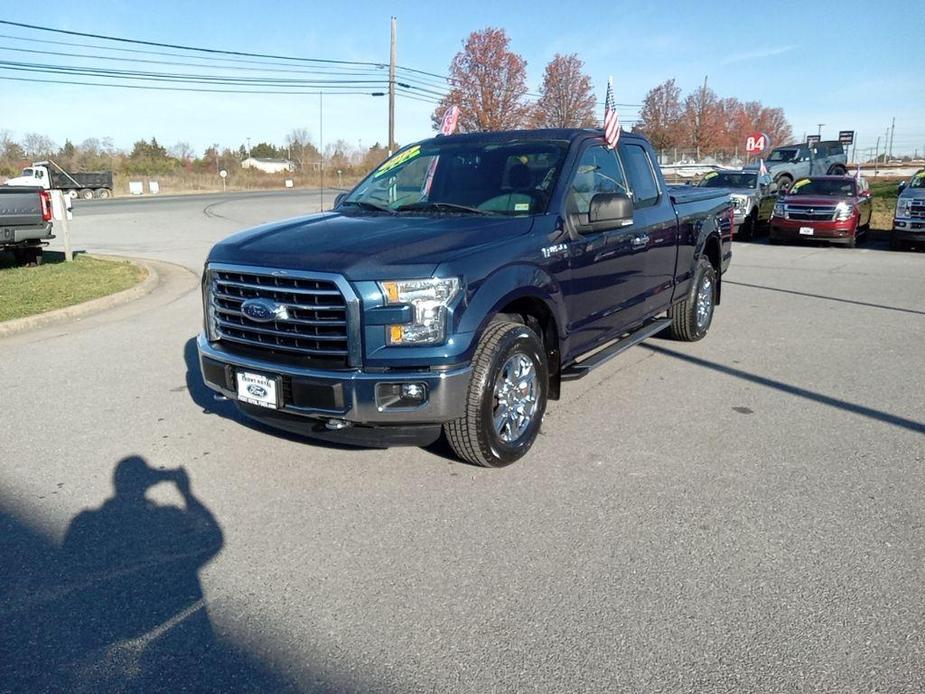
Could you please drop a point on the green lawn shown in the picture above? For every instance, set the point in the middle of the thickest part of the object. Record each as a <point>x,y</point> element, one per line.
<point>25,291</point>
<point>884,197</point>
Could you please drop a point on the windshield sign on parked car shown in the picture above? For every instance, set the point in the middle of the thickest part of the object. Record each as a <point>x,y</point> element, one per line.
<point>918,181</point>
<point>729,180</point>
<point>821,186</point>
<point>516,177</point>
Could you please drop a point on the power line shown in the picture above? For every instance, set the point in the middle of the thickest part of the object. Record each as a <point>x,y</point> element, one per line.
<point>186,89</point>
<point>180,46</point>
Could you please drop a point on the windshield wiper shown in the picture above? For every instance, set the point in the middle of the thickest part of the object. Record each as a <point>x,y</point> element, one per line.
<point>363,204</point>
<point>440,206</point>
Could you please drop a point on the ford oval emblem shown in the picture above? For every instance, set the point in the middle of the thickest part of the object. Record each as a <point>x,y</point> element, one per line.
<point>264,310</point>
<point>256,391</point>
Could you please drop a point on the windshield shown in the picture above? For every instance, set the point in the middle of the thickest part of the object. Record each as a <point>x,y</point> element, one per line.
<point>823,186</point>
<point>515,177</point>
<point>918,181</point>
<point>783,155</point>
<point>27,172</point>
<point>729,180</point>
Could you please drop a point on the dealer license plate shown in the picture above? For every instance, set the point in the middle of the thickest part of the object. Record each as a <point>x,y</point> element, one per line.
<point>257,389</point>
<point>806,231</point>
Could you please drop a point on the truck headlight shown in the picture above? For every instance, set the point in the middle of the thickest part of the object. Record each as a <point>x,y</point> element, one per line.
<point>843,211</point>
<point>428,299</point>
<point>208,308</point>
<point>779,210</point>
<point>903,207</point>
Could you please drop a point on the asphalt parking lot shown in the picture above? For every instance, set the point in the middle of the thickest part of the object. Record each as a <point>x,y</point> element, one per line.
<point>742,514</point>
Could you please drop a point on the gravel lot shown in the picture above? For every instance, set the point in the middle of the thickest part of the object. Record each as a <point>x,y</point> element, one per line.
<point>742,514</point>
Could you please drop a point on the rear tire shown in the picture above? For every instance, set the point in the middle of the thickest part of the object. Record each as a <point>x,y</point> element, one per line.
<point>784,181</point>
<point>86,194</point>
<point>838,170</point>
<point>103,193</point>
<point>506,399</point>
<point>691,318</point>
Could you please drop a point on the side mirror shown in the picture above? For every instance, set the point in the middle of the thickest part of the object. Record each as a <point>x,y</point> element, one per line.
<point>901,187</point>
<point>339,199</point>
<point>609,210</point>
<point>865,193</point>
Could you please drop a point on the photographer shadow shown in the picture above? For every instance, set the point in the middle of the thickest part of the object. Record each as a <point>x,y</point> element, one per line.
<point>119,607</point>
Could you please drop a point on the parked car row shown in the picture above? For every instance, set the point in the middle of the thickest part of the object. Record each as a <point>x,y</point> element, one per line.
<point>909,217</point>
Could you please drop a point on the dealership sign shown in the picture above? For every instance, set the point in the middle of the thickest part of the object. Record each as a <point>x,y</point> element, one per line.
<point>846,137</point>
<point>756,143</point>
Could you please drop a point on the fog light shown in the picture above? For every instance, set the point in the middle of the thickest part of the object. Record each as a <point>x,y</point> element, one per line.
<point>397,395</point>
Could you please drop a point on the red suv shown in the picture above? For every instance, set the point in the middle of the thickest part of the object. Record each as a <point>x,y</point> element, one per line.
<point>827,208</point>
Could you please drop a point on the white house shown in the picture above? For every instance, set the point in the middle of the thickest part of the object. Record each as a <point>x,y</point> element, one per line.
<point>267,165</point>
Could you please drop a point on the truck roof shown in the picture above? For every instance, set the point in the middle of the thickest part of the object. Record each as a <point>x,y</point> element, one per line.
<point>564,134</point>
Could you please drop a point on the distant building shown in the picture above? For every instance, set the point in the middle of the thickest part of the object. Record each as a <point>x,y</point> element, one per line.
<point>267,165</point>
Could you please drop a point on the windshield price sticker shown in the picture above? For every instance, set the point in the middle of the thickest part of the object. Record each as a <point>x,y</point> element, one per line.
<point>399,159</point>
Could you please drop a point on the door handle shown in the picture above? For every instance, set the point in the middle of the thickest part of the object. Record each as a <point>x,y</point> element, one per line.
<point>641,240</point>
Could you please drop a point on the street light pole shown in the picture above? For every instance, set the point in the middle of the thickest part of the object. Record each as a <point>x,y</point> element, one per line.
<point>820,130</point>
<point>321,141</point>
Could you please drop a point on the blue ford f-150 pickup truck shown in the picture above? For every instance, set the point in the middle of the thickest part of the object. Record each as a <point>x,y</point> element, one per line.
<point>457,286</point>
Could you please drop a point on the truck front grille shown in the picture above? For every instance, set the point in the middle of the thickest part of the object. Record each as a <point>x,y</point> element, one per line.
<point>918,209</point>
<point>313,320</point>
<point>808,213</point>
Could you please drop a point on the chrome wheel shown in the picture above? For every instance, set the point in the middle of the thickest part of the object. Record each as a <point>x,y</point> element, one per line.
<point>705,304</point>
<point>516,397</point>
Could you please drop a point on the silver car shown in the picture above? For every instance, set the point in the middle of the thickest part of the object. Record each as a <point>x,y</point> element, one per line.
<point>909,218</point>
<point>791,162</point>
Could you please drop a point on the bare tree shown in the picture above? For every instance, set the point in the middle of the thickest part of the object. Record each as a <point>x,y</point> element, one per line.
<point>660,116</point>
<point>566,99</point>
<point>38,146</point>
<point>182,152</point>
<point>302,153</point>
<point>489,83</point>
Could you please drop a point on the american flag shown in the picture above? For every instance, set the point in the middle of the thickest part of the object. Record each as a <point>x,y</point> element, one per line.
<point>611,118</point>
<point>762,169</point>
<point>857,173</point>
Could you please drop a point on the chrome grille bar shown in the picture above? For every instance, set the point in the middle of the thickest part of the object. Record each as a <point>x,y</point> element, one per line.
<point>321,317</point>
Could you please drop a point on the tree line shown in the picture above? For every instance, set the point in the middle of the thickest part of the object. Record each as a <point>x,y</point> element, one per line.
<point>705,122</point>
<point>489,84</point>
<point>151,158</point>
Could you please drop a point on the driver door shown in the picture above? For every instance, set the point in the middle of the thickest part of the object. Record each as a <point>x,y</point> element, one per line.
<point>606,284</point>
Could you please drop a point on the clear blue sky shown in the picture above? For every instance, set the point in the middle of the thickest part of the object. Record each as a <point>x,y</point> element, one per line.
<point>850,65</point>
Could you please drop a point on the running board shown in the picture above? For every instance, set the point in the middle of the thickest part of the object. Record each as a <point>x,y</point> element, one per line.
<point>579,370</point>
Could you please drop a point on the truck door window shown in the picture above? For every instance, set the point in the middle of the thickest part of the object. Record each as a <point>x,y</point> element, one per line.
<point>39,173</point>
<point>598,172</point>
<point>643,187</point>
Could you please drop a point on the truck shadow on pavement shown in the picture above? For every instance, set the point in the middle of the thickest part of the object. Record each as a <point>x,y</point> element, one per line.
<point>863,410</point>
<point>118,606</point>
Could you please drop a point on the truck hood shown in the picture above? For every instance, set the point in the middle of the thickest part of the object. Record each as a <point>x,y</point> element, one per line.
<point>22,181</point>
<point>366,247</point>
<point>913,193</point>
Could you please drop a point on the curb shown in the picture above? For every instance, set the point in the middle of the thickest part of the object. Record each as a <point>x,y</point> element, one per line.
<point>77,311</point>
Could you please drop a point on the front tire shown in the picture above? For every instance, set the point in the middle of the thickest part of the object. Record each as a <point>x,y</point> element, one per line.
<point>691,318</point>
<point>506,399</point>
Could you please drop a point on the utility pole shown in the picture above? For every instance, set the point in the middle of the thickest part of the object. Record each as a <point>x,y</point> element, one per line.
<point>876,153</point>
<point>321,141</point>
<point>892,132</point>
<point>820,130</point>
<point>392,90</point>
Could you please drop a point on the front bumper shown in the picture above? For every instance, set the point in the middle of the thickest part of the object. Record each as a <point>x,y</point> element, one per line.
<point>789,229</point>
<point>348,396</point>
<point>909,230</point>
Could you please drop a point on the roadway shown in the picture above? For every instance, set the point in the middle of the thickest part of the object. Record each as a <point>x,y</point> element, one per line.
<point>743,514</point>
